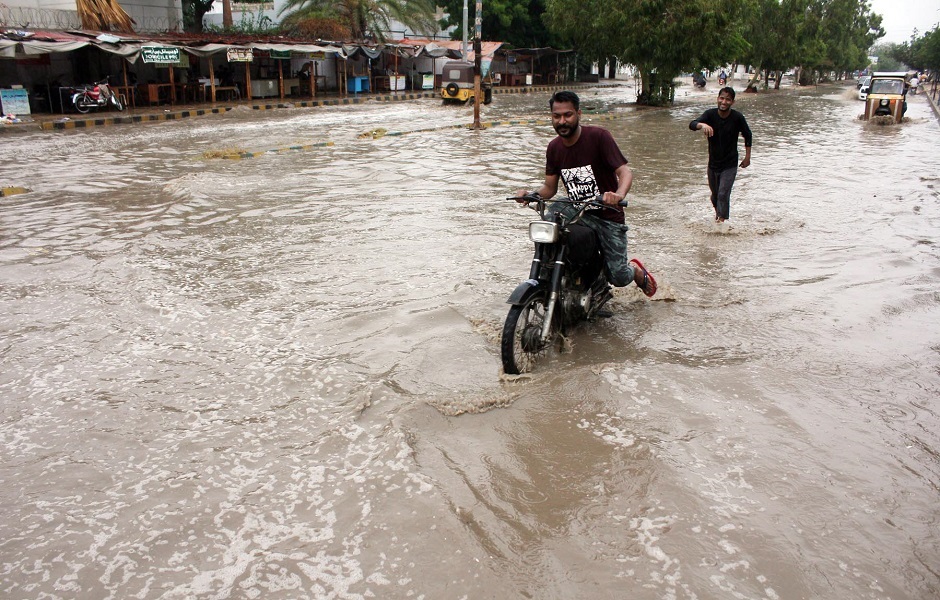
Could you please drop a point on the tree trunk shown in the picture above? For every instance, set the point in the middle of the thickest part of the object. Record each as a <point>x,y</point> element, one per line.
<point>657,88</point>
<point>612,68</point>
<point>227,14</point>
<point>753,82</point>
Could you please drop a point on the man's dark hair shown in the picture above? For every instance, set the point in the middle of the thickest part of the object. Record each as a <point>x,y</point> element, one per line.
<point>565,96</point>
<point>727,90</point>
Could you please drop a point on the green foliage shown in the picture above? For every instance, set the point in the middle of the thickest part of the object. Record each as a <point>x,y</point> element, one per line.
<point>315,28</point>
<point>517,23</point>
<point>887,60</point>
<point>929,52</point>
<point>251,23</point>
<point>193,13</point>
<point>835,35</point>
<point>365,19</point>
<point>662,38</point>
<point>922,53</point>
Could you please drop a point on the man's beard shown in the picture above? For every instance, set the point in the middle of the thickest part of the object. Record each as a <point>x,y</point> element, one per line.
<point>569,130</point>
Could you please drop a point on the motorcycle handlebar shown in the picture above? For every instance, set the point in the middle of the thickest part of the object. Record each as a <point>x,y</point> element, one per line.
<point>597,201</point>
<point>530,197</point>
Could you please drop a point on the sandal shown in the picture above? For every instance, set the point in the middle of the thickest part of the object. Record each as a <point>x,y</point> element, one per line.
<point>649,283</point>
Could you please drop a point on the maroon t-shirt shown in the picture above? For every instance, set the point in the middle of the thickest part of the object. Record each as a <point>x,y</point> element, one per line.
<point>587,168</point>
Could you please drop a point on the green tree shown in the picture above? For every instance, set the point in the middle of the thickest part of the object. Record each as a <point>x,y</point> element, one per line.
<point>662,38</point>
<point>921,53</point>
<point>886,54</point>
<point>193,13</point>
<point>903,53</point>
<point>773,29</point>
<point>363,19</point>
<point>929,52</point>
<point>517,23</point>
<point>837,34</point>
<point>851,30</point>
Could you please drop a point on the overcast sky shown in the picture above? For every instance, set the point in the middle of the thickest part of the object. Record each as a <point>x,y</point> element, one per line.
<point>901,17</point>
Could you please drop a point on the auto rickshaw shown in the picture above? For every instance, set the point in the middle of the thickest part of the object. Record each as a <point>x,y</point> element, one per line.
<point>887,95</point>
<point>457,84</point>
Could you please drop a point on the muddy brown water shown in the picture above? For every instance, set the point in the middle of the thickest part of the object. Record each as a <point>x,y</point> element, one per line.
<point>278,377</point>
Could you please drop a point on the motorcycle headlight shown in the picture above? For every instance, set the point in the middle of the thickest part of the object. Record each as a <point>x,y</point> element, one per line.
<point>543,232</point>
<point>884,102</point>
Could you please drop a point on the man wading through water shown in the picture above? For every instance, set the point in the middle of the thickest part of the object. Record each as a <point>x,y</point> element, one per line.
<point>722,126</point>
<point>589,162</point>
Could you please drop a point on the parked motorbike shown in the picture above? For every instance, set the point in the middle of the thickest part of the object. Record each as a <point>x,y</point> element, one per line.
<point>566,284</point>
<point>95,97</point>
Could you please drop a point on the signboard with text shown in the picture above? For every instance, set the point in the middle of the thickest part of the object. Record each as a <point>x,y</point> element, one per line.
<point>14,101</point>
<point>239,55</point>
<point>160,55</point>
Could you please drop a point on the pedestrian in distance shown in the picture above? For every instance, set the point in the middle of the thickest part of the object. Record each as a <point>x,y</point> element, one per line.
<point>588,161</point>
<point>722,126</point>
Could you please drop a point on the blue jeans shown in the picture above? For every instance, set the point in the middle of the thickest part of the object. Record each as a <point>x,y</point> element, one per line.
<point>612,238</point>
<point>720,182</point>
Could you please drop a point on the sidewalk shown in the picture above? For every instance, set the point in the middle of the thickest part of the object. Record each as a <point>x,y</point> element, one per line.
<point>933,104</point>
<point>60,122</point>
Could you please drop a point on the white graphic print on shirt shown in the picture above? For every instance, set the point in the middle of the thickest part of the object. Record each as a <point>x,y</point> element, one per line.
<point>580,183</point>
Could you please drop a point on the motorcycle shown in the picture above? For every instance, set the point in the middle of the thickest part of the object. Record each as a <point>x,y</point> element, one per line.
<point>95,97</point>
<point>566,285</point>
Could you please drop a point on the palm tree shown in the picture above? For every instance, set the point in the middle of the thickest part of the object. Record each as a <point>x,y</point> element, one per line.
<point>104,15</point>
<point>363,18</point>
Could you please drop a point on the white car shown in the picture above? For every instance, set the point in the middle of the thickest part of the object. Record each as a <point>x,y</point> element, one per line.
<point>863,92</point>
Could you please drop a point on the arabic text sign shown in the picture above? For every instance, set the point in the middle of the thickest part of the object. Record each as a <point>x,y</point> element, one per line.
<point>160,54</point>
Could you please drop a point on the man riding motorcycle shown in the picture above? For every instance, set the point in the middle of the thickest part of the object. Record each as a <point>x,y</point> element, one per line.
<point>589,162</point>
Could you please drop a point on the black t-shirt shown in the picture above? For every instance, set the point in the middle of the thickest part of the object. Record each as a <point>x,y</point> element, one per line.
<point>587,168</point>
<point>723,146</point>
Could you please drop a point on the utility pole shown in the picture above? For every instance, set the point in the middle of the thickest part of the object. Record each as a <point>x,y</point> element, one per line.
<point>477,64</point>
<point>464,47</point>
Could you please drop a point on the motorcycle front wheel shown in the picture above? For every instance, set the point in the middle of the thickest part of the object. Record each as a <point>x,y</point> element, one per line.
<point>522,343</point>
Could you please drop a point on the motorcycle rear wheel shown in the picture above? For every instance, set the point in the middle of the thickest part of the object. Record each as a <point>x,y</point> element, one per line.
<point>521,343</point>
<point>82,106</point>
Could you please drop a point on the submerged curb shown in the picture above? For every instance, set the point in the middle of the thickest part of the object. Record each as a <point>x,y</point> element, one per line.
<point>376,134</point>
<point>380,133</point>
<point>102,122</point>
<point>173,115</point>
<point>933,106</point>
<point>238,155</point>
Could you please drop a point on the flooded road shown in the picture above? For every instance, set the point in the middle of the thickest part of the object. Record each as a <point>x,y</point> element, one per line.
<point>279,377</point>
